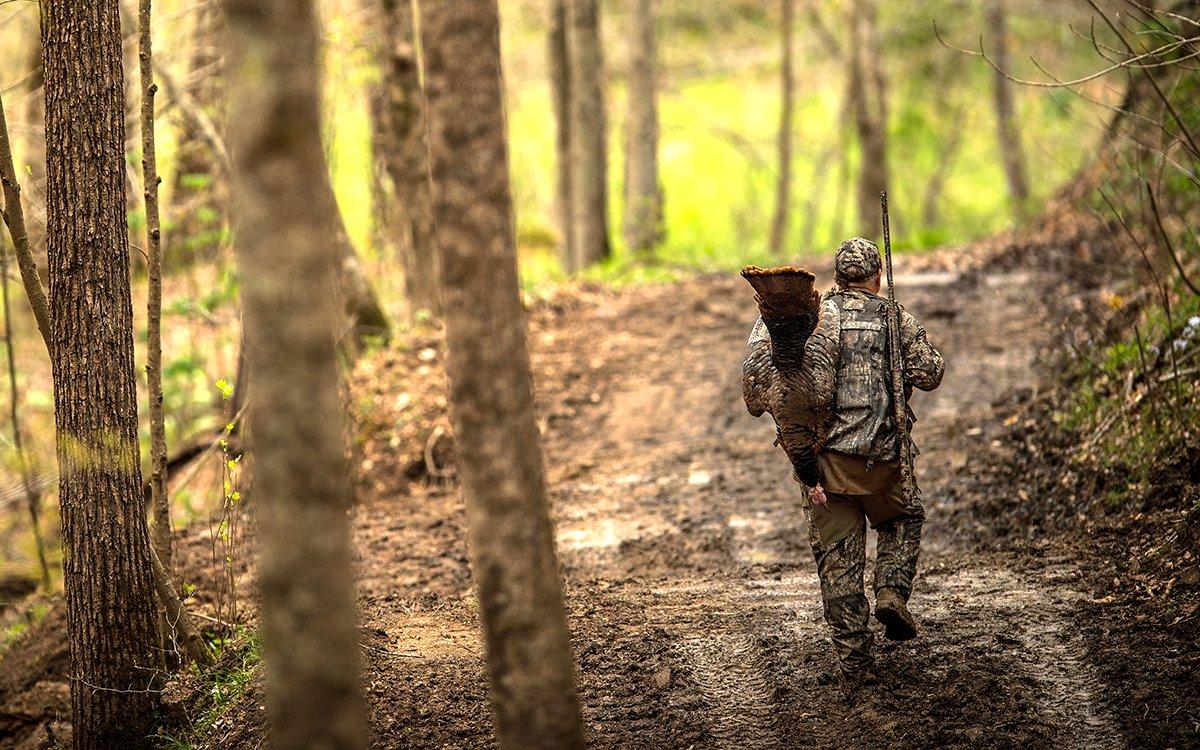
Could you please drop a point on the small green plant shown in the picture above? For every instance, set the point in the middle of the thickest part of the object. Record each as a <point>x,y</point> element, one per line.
<point>224,684</point>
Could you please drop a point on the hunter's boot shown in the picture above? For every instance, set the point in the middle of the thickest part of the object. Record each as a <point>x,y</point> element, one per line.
<point>892,611</point>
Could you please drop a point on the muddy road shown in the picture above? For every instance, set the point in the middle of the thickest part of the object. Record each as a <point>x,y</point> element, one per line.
<point>691,592</point>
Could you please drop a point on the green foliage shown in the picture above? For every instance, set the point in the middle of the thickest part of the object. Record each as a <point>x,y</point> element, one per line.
<point>719,111</point>
<point>14,630</point>
<point>221,687</point>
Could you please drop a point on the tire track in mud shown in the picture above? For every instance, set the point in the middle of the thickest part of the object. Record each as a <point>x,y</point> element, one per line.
<point>729,671</point>
<point>1031,619</point>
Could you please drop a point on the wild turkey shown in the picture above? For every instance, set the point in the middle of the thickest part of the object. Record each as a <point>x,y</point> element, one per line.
<point>775,377</point>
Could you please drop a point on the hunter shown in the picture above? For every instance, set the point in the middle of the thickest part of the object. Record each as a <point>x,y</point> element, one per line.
<point>857,476</point>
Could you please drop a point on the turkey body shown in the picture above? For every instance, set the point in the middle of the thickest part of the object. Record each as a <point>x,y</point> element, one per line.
<point>783,375</point>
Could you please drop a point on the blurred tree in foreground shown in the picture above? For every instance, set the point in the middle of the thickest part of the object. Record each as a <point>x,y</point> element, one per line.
<point>491,387</point>
<point>290,243</point>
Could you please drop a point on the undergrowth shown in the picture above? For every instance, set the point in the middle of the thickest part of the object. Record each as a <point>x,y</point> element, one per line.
<point>212,692</point>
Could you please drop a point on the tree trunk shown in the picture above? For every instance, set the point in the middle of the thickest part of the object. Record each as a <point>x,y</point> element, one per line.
<point>362,310</point>
<point>159,499</point>
<point>111,617</point>
<point>783,186</point>
<point>1007,132</point>
<point>288,259</point>
<point>869,94</point>
<point>560,86</point>
<point>930,215</point>
<point>589,135</point>
<point>643,223</point>
<point>198,203</point>
<point>399,144</point>
<point>491,388</point>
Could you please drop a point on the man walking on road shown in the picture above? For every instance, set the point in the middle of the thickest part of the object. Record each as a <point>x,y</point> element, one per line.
<point>857,477</point>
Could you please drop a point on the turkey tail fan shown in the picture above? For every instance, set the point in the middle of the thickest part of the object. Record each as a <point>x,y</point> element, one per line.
<point>789,305</point>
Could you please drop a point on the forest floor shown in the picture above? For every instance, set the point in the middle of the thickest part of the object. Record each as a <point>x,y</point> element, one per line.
<point>691,591</point>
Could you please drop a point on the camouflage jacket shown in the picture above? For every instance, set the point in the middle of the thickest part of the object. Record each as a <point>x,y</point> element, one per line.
<point>846,359</point>
<point>863,421</point>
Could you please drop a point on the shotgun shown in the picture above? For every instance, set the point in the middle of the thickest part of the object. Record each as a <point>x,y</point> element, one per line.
<point>896,364</point>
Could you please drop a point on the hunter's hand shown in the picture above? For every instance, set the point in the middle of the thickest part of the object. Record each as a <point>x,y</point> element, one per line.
<point>817,495</point>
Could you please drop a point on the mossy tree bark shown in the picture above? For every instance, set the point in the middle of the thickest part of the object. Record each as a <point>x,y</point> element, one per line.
<point>288,263</point>
<point>108,577</point>
<point>491,388</point>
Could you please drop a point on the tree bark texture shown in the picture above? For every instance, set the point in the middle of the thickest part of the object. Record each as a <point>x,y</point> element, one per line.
<point>288,266</point>
<point>560,87</point>
<point>491,388</point>
<point>400,147</point>
<point>108,578</point>
<point>159,499</point>
<point>1007,133</point>
<point>869,94</point>
<point>787,85</point>
<point>589,135</point>
<point>643,220</point>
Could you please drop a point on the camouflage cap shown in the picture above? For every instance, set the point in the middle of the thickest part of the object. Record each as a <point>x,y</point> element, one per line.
<point>856,260</point>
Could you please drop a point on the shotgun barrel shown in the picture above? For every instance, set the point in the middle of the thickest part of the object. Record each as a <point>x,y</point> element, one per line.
<point>896,363</point>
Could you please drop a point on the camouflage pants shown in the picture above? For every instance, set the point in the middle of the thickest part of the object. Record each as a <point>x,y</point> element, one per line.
<point>841,565</point>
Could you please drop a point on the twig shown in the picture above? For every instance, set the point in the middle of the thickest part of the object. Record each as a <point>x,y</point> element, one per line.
<point>33,496</point>
<point>1167,240</point>
<point>14,219</point>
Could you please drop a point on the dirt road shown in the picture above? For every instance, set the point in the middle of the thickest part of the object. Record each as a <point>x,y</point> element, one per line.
<point>691,590</point>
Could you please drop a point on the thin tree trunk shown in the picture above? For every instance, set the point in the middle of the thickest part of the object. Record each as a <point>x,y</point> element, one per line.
<point>787,84</point>
<point>589,134</point>
<point>108,575</point>
<point>491,391</point>
<point>159,499</point>
<point>1007,132</point>
<point>14,219</point>
<point>362,309</point>
<point>400,146</point>
<point>288,261</point>
<point>560,86</point>
<point>643,223</point>
<point>930,216</point>
<point>33,494</point>
<point>869,94</point>
<point>180,633</point>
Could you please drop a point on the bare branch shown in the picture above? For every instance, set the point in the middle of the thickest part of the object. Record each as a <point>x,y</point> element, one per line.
<point>14,219</point>
<point>1170,245</point>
